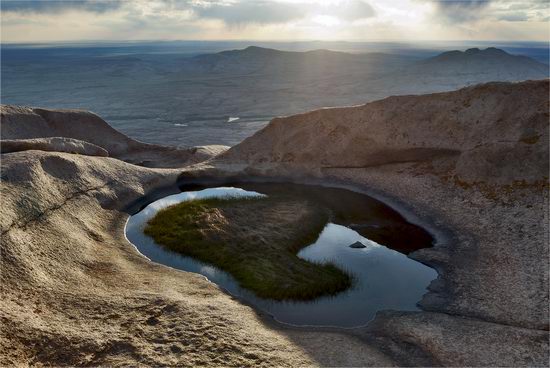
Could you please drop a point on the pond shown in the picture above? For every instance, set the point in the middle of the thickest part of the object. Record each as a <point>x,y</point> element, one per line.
<point>384,277</point>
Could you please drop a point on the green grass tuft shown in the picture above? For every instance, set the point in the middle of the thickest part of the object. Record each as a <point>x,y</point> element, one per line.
<point>256,240</point>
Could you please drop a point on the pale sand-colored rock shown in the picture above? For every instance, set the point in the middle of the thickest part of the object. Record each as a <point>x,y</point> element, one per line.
<point>55,144</point>
<point>496,131</point>
<point>492,261</point>
<point>75,292</point>
<point>20,122</point>
<point>471,165</point>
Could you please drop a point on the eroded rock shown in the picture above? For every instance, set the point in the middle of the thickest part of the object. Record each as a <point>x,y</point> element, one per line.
<point>56,144</point>
<point>19,122</point>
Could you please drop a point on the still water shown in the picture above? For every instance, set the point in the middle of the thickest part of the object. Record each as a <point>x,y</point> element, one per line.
<point>384,278</point>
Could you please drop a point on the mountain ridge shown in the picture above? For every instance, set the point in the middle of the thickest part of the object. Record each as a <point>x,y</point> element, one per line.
<point>476,53</point>
<point>258,51</point>
<point>490,64</point>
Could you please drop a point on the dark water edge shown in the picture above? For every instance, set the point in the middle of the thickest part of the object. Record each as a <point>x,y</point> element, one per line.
<point>370,217</point>
<point>386,278</point>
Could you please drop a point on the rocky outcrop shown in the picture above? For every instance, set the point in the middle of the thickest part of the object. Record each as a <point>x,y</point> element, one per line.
<point>55,144</point>
<point>75,292</point>
<point>492,133</point>
<point>28,123</point>
<point>471,166</point>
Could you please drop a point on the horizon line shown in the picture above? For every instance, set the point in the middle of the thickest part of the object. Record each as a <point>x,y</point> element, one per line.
<point>270,41</point>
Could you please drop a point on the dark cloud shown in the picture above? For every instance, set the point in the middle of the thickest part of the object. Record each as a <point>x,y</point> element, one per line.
<point>58,6</point>
<point>463,11</point>
<point>460,11</point>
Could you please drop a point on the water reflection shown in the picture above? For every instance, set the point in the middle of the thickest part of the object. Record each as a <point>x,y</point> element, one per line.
<point>384,278</point>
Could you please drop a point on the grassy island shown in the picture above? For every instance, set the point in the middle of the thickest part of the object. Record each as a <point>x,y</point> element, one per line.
<point>254,239</point>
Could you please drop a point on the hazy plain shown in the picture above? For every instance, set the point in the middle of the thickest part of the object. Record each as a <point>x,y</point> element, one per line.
<point>187,93</point>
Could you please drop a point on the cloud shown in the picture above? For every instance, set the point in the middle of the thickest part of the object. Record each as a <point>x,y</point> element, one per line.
<point>522,11</point>
<point>464,11</point>
<point>350,10</point>
<point>514,17</point>
<point>244,12</point>
<point>58,6</point>
<point>272,12</point>
<point>30,20</point>
<point>461,11</point>
<point>235,12</point>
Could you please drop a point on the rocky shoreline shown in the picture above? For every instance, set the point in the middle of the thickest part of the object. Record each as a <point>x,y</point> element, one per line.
<point>75,292</point>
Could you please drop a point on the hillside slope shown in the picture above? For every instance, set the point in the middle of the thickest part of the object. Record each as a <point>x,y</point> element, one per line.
<point>494,133</point>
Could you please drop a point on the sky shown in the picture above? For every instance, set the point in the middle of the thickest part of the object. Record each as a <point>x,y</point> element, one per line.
<point>284,20</point>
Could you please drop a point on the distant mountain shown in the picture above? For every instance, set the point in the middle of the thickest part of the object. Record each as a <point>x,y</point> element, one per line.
<point>450,69</point>
<point>478,66</point>
<point>254,59</point>
<point>258,81</point>
<point>255,52</point>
